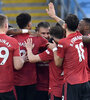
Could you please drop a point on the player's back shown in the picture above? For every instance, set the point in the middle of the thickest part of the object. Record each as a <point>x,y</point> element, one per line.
<point>27,75</point>
<point>75,61</point>
<point>7,47</point>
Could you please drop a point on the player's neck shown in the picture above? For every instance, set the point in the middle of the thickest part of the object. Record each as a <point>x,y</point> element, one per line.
<point>2,31</point>
<point>69,32</point>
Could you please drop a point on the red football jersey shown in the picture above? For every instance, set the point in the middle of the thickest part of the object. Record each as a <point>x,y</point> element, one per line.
<point>27,75</point>
<point>88,68</point>
<point>75,60</point>
<point>42,74</point>
<point>8,49</point>
<point>55,74</point>
<point>88,51</point>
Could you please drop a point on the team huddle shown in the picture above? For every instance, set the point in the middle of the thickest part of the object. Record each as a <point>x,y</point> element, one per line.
<point>52,63</point>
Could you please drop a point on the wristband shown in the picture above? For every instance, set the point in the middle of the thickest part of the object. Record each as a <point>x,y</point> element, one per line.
<point>55,49</point>
<point>25,31</point>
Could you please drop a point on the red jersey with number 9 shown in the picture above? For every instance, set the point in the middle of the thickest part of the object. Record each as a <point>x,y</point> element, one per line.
<point>75,59</point>
<point>8,49</point>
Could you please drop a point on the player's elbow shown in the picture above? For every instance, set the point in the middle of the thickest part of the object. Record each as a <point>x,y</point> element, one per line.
<point>18,66</point>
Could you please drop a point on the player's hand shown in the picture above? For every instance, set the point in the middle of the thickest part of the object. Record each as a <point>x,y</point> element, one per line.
<point>52,45</point>
<point>51,10</point>
<point>28,44</point>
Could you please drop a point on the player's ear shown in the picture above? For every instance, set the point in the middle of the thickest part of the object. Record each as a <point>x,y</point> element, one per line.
<point>6,25</point>
<point>65,26</point>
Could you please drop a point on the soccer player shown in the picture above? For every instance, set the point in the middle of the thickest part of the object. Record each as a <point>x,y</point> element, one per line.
<point>42,67</point>
<point>72,54</point>
<point>84,28</point>
<point>9,60</point>
<point>43,29</point>
<point>55,74</point>
<point>26,78</point>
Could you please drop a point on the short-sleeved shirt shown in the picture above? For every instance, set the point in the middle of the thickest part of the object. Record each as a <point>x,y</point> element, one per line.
<point>55,73</point>
<point>75,60</point>
<point>8,49</point>
<point>27,75</point>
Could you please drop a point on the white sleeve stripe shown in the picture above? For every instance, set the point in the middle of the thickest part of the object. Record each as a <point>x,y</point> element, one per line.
<point>59,45</point>
<point>47,52</point>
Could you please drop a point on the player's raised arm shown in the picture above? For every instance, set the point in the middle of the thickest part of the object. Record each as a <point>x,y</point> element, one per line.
<point>52,14</point>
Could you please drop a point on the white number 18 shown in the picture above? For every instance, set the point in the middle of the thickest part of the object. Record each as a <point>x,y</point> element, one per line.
<point>80,51</point>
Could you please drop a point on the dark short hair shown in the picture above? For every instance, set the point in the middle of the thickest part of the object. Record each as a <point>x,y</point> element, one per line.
<point>72,22</point>
<point>87,20</point>
<point>3,18</point>
<point>57,32</point>
<point>23,19</point>
<point>57,24</point>
<point>42,24</point>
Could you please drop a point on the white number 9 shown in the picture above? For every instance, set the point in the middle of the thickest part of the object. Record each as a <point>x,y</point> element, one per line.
<point>4,56</point>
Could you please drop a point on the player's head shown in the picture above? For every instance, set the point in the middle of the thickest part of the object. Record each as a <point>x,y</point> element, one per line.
<point>24,21</point>
<point>71,22</point>
<point>3,23</point>
<point>84,26</point>
<point>43,29</point>
<point>57,33</point>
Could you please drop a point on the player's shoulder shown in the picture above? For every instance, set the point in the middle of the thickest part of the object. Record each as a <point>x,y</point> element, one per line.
<point>63,40</point>
<point>42,39</point>
<point>62,43</point>
<point>12,40</point>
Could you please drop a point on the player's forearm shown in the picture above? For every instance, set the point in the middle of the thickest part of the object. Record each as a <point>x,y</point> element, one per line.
<point>21,62</point>
<point>57,59</point>
<point>18,62</point>
<point>14,31</point>
<point>59,20</point>
<point>31,56</point>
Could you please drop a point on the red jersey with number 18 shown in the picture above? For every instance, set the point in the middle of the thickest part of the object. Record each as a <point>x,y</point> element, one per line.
<point>75,61</point>
<point>8,49</point>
